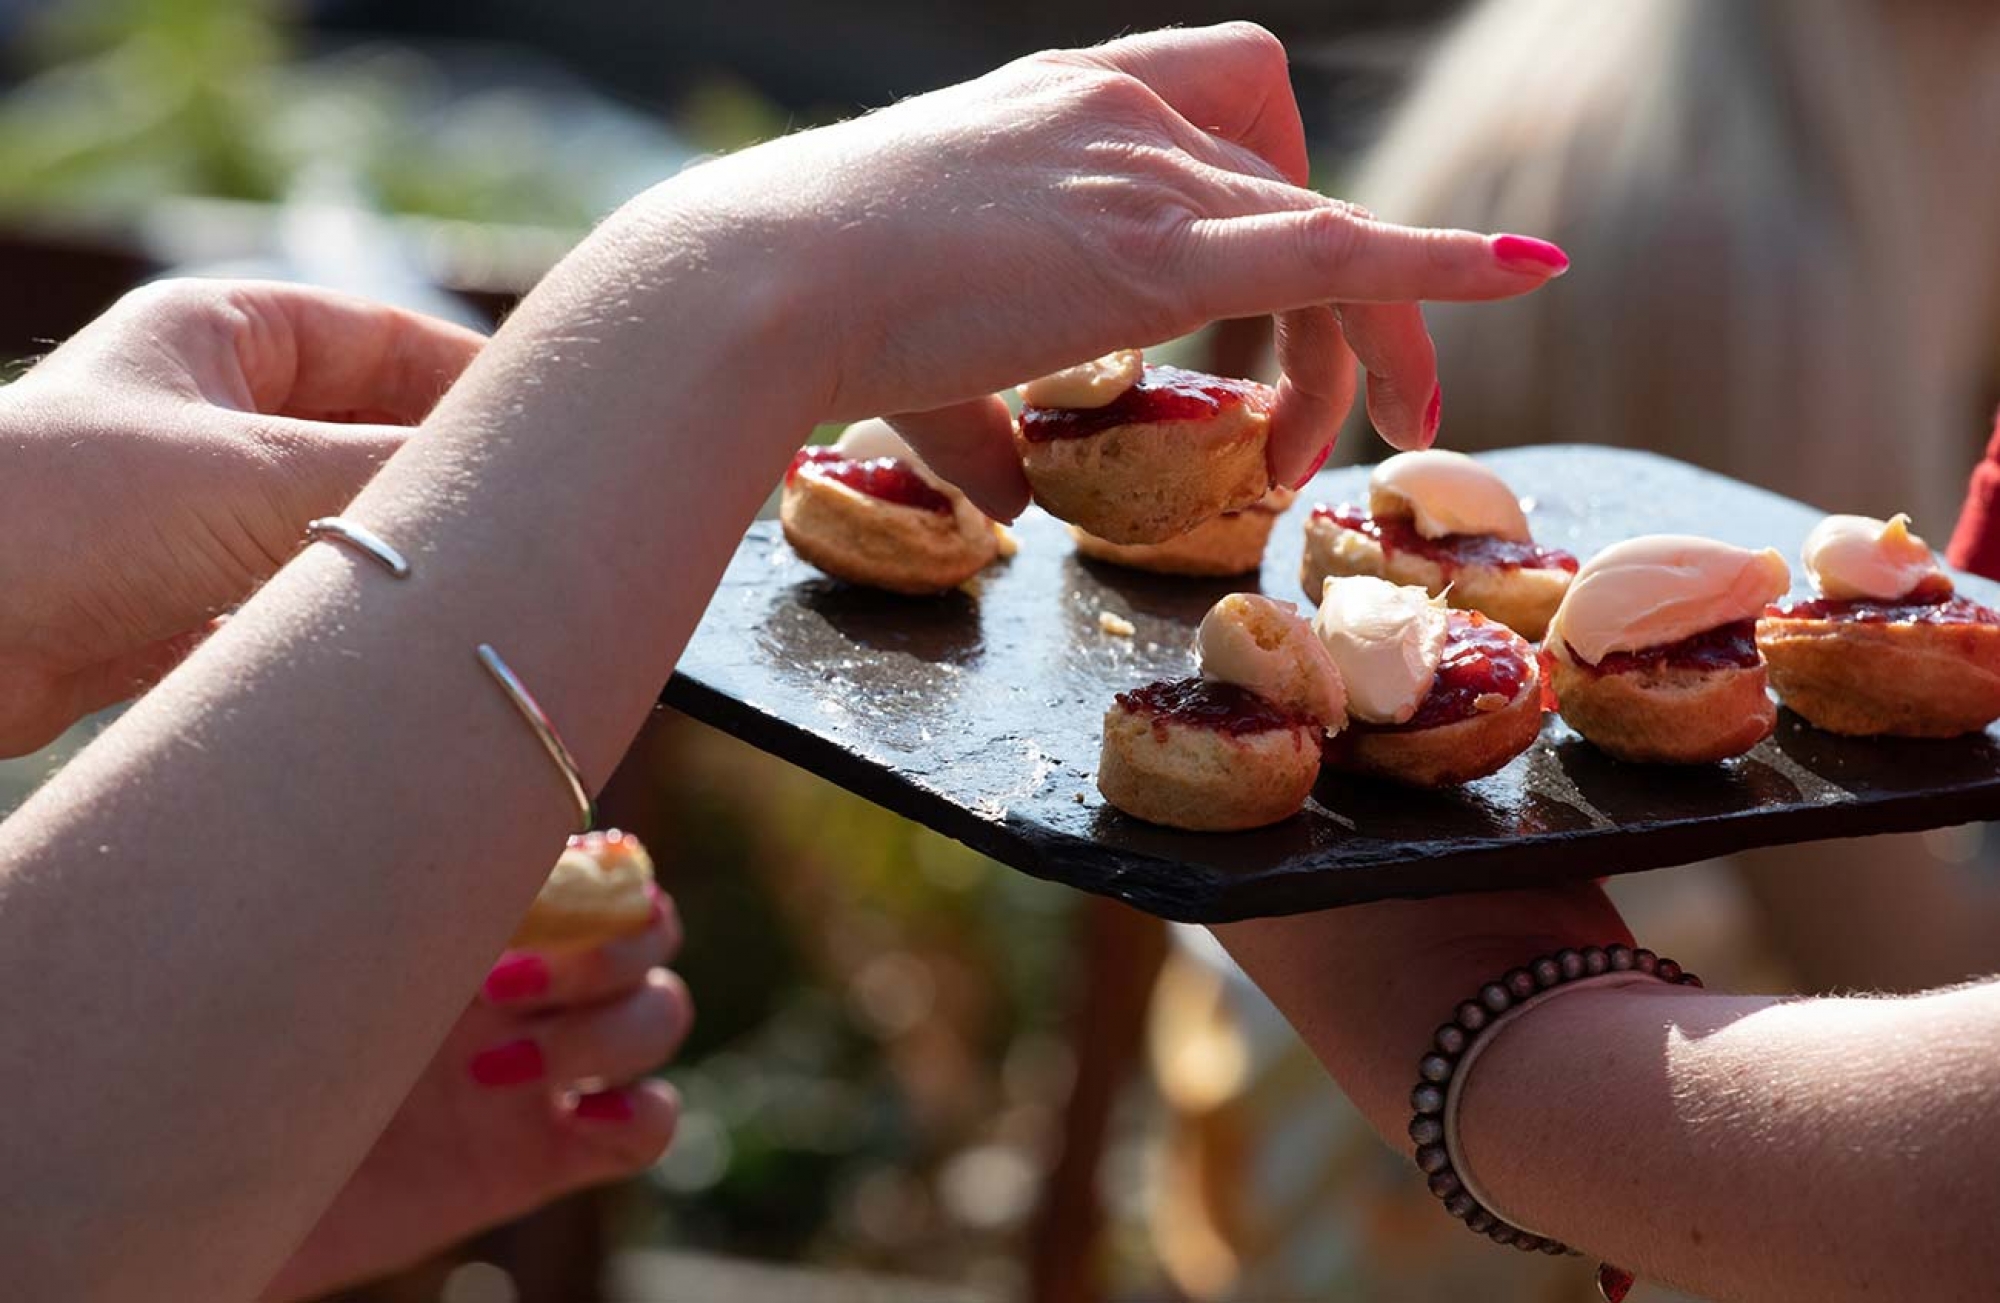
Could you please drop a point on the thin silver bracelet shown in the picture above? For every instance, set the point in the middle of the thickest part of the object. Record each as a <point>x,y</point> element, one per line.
<point>538,719</point>
<point>339,529</point>
<point>1457,1044</point>
<point>351,534</point>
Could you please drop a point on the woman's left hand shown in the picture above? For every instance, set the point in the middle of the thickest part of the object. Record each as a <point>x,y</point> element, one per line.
<point>165,461</point>
<point>1368,985</point>
<point>495,1126</point>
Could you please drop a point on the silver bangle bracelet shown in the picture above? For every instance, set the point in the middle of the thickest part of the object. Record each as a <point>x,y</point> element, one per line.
<point>361,539</point>
<point>531,710</point>
<point>1457,1044</point>
<point>339,529</point>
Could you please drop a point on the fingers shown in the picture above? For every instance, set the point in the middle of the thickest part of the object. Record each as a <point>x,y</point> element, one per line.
<point>612,1133</point>
<point>298,350</point>
<point>1314,393</point>
<point>1331,253</point>
<point>618,1040</point>
<point>1231,81</point>
<point>1404,399</point>
<point>529,981</point>
<point>972,445</point>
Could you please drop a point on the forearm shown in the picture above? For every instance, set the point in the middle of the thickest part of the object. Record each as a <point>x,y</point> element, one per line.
<point>169,913</point>
<point>1740,1147</point>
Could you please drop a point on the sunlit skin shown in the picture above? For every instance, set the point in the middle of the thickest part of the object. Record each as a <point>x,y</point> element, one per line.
<point>237,894</point>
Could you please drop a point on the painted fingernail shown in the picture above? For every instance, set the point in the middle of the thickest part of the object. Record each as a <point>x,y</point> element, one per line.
<point>1318,462</point>
<point>605,1106</point>
<point>519,976</point>
<point>1526,253</point>
<point>512,1064</point>
<point>1433,415</point>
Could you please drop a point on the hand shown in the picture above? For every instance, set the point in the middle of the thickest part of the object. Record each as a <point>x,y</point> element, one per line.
<point>491,1129</point>
<point>165,461</point>
<point>1079,201</point>
<point>1367,986</point>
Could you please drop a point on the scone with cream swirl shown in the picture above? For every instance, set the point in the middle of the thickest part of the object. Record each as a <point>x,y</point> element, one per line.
<point>1449,525</point>
<point>1133,453</point>
<point>1435,696</point>
<point>1653,653</point>
<point>1889,648</point>
<point>1238,745</point>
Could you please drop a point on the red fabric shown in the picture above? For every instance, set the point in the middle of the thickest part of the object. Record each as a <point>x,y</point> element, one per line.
<point>1975,544</point>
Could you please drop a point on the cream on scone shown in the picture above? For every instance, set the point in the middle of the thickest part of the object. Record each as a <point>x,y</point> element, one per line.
<point>867,510</point>
<point>1231,544</point>
<point>1653,653</point>
<point>1888,648</point>
<point>600,889</point>
<point>1148,461</point>
<point>1435,696</point>
<point>1237,746</point>
<point>1449,525</point>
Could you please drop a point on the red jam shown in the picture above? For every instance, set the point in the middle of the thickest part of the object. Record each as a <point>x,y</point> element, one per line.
<point>1725,647</point>
<point>1204,703</point>
<point>1946,609</point>
<point>1452,552</point>
<point>1481,659</point>
<point>880,477</point>
<point>1163,393</point>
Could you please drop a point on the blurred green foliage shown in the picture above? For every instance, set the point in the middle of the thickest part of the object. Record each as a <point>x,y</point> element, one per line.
<point>130,100</point>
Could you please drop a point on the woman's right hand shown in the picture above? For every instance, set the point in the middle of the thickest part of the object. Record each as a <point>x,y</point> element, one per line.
<point>1073,202</point>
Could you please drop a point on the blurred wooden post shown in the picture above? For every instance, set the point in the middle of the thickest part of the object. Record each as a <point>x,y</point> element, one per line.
<point>1119,952</point>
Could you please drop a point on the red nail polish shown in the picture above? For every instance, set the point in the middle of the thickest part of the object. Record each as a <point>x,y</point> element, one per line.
<point>1526,253</point>
<point>605,1106</point>
<point>1433,415</point>
<point>1318,462</point>
<point>518,976</point>
<point>512,1064</point>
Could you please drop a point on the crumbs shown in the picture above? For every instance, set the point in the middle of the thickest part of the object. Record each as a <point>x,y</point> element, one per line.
<point>1115,624</point>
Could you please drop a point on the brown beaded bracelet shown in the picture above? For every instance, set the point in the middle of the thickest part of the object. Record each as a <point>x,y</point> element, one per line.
<point>1454,1046</point>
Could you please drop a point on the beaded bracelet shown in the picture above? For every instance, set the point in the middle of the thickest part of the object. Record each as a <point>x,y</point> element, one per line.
<point>1443,1071</point>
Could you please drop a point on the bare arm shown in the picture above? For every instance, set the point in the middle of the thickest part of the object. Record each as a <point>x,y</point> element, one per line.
<point>1741,1147</point>
<point>234,895</point>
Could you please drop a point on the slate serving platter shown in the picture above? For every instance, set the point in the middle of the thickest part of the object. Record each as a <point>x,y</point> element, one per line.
<point>979,715</point>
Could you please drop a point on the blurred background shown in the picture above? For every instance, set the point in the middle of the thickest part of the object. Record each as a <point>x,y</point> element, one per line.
<point>917,1075</point>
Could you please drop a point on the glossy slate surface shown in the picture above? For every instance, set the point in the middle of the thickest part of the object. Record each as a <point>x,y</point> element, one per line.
<point>980,716</point>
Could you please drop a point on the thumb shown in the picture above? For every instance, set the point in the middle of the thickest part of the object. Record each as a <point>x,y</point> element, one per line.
<point>972,445</point>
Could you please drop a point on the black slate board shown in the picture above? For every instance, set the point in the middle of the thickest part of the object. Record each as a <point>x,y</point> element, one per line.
<point>980,716</point>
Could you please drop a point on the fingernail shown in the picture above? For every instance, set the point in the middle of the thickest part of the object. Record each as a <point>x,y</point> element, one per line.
<point>605,1106</point>
<point>1433,415</point>
<point>1526,253</point>
<point>1318,462</point>
<point>511,1064</point>
<point>518,976</point>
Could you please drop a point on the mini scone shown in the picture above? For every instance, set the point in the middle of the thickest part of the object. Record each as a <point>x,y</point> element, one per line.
<point>1141,454</point>
<point>1888,648</point>
<point>1238,746</point>
<point>1435,696</point>
<point>600,890</point>
<point>1231,544</point>
<point>1653,653</point>
<point>1447,524</point>
<point>866,509</point>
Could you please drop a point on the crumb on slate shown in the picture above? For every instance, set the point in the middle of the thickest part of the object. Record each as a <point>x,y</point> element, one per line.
<point>1115,624</point>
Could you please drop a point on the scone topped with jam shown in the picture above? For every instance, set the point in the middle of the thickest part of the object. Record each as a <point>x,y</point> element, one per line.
<point>1889,647</point>
<point>1133,453</point>
<point>1239,744</point>
<point>1449,525</point>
